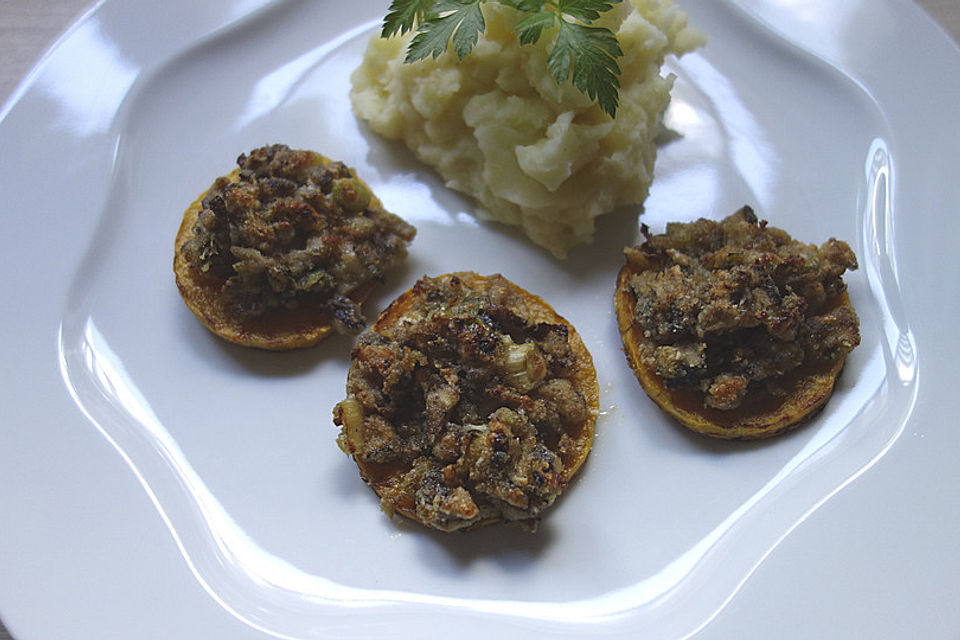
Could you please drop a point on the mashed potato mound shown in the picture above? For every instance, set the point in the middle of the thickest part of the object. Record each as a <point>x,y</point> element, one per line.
<point>497,127</point>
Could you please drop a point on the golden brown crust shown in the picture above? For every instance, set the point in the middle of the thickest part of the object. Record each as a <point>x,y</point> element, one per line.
<point>810,387</point>
<point>276,330</point>
<point>392,482</point>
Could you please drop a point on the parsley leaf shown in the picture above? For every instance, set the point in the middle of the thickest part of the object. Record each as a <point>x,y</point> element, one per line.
<point>585,10</point>
<point>587,52</point>
<point>403,15</point>
<point>457,20</point>
<point>591,53</point>
<point>527,6</point>
<point>531,28</point>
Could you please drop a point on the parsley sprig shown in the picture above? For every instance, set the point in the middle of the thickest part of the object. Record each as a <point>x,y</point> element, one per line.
<point>583,52</point>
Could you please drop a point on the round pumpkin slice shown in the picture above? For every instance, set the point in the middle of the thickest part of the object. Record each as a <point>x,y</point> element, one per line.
<point>469,401</point>
<point>282,251</point>
<point>733,328</point>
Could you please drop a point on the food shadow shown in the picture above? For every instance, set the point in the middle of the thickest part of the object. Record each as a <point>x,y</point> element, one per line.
<point>614,230</point>
<point>719,446</point>
<point>392,158</point>
<point>509,547</point>
<point>265,363</point>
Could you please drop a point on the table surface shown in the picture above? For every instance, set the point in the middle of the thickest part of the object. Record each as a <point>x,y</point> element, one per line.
<point>28,28</point>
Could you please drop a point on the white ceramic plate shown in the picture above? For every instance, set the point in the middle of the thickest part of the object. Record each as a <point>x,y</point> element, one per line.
<point>157,482</point>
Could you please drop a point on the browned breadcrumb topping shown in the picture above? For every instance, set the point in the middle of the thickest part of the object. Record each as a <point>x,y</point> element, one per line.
<point>295,228</point>
<point>734,306</point>
<point>472,399</point>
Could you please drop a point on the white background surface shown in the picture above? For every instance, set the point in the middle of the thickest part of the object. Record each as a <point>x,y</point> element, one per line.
<point>27,28</point>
